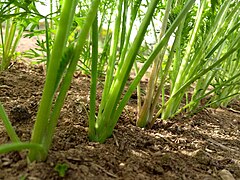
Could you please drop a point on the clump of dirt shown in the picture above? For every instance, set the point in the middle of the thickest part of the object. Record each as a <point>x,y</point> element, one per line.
<point>204,146</point>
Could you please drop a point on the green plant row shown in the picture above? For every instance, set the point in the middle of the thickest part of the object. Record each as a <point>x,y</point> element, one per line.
<point>195,56</point>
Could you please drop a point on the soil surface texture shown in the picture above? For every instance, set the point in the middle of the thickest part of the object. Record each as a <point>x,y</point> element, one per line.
<point>205,146</point>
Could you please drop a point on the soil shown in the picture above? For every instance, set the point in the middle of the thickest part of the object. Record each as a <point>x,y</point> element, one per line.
<point>203,146</point>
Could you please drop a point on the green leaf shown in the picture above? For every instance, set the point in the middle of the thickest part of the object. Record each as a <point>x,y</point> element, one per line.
<point>61,169</point>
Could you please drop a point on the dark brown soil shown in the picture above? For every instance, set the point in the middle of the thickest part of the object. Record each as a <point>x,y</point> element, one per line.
<point>204,146</point>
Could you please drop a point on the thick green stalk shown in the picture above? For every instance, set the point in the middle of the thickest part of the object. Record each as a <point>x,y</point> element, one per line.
<point>165,73</point>
<point>105,124</point>
<point>70,71</point>
<point>163,42</point>
<point>144,114</point>
<point>44,110</point>
<point>7,29</point>
<point>112,57</point>
<point>93,91</point>
<point>134,9</point>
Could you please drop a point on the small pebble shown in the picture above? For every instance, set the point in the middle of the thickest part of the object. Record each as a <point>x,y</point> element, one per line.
<point>226,175</point>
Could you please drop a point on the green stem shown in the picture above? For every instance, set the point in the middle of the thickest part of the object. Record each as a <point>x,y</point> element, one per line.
<point>123,28</point>
<point>180,79</point>
<point>163,42</point>
<point>48,35</point>
<point>93,91</point>
<point>134,10</point>
<point>112,57</point>
<point>70,71</point>
<point>7,47</point>
<point>145,114</point>
<point>224,84</point>
<point>18,146</point>
<point>105,120</point>
<point>139,101</point>
<point>165,73</point>
<point>194,78</point>
<point>44,110</point>
<point>10,130</point>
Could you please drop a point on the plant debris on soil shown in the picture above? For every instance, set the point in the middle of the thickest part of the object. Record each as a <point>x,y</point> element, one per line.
<point>203,146</point>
